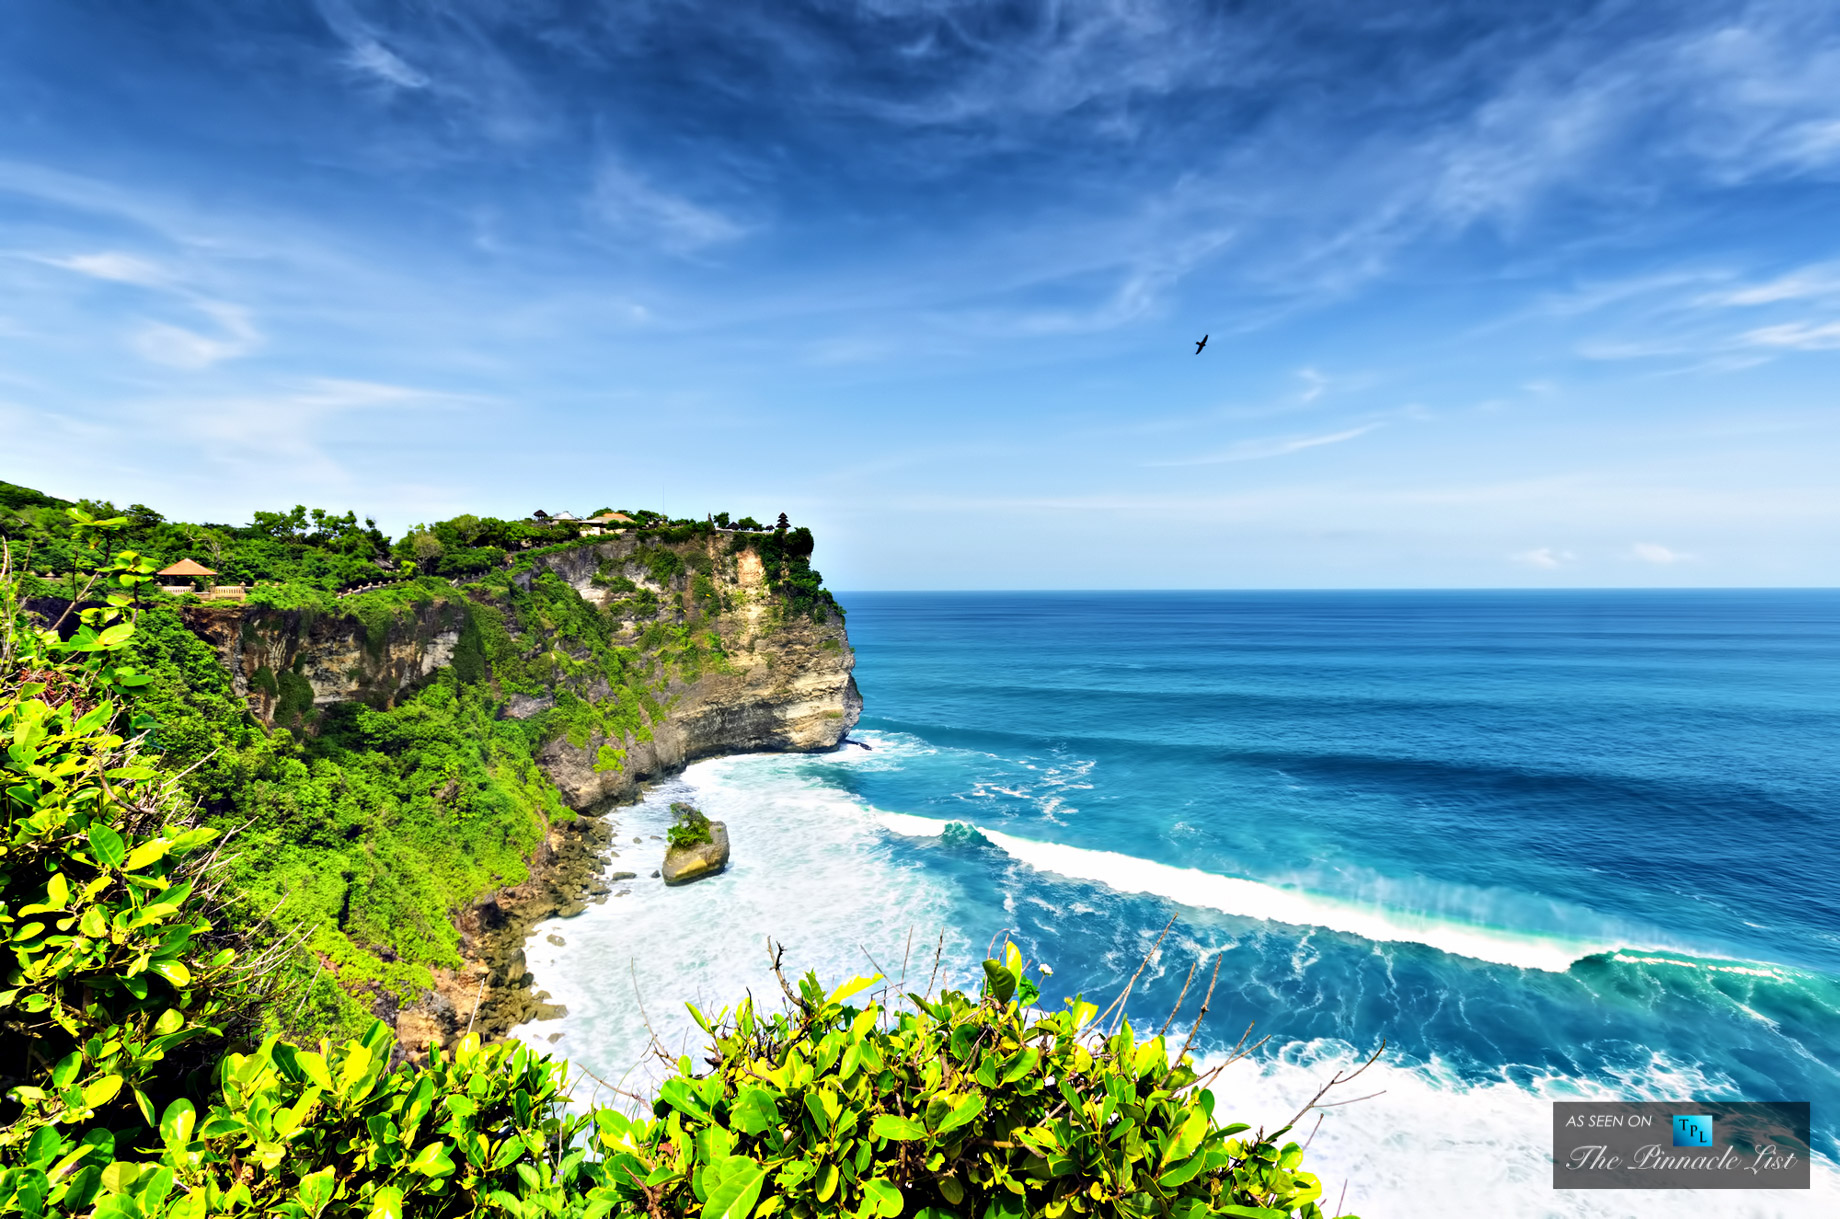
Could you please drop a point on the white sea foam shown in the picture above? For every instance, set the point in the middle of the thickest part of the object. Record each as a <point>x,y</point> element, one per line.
<point>1431,1145</point>
<point>812,868</point>
<point>808,869</point>
<point>1255,899</point>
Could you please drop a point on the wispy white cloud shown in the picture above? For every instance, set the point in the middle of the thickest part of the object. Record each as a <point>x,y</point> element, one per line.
<point>372,57</point>
<point>629,203</point>
<point>1814,281</point>
<point>365,53</point>
<point>293,424</point>
<point>179,347</point>
<point>1546,557</point>
<point>1270,446</point>
<point>112,265</point>
<point>1661,556</point>
<point>1800,336</point>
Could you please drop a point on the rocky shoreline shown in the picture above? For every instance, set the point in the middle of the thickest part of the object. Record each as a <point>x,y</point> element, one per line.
<point>494,992</point>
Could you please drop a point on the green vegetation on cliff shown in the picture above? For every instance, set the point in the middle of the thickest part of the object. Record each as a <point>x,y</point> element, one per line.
<point>368,825</point>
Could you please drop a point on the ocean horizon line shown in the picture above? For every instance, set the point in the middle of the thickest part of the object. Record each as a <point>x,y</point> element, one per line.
<point>1397,589</point>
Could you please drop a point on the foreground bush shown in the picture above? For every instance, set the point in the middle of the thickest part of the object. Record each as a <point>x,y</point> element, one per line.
<point>967,1106</point>
<point>112,967</point>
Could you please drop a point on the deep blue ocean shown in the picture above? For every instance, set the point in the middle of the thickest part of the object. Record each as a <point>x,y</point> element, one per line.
<point>1544,845</point>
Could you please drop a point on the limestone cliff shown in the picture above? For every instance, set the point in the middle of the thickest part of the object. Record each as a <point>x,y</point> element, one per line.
<point>784,683</point>
<point>774,676</point>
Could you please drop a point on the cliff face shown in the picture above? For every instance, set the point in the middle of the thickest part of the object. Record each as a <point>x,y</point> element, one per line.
<point>784,684</point>
<point>338,656</point>
<point>779,678</point>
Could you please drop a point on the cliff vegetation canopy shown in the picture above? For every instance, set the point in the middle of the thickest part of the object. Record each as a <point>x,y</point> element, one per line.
<point>368,824</point>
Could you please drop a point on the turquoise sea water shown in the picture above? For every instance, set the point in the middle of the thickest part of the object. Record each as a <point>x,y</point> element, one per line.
<point>1545,845</point>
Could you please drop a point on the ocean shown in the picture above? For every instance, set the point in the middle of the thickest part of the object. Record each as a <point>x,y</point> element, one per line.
<point>1541,845</point>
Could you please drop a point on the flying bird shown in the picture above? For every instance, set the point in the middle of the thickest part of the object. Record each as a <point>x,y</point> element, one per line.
<point>1201,344</point>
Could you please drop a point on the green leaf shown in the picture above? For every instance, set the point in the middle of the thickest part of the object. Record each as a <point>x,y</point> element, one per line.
<point>57,896</point>
<point>854,986</point>
<point>999,981</point>
<point>1187,1139</point>
<point>1183,1172</point>
<point>174,972</point>
<point>1249,1212</point>
<point>316,1191</point>
<point>1025,1061</point>
<point>735,1197</point>
<point>355,1069</point>
<point>885,1196</point>
<point>99,1092</point>
<point>314,1067</point>
<point>66,1070</point>
<point>147,852</point>
<point>386,1203</point>
<point>107,846</point>
<point>679,1094</point>
<point>894,1126</point>
<point>176,1125</point>
<point>433,1161</point>
<point>754,1112</point>
<point>963,1112</point>
<point>191,840</point>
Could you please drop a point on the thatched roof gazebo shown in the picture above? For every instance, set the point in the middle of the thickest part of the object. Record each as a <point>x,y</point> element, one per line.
<point>178,578</point>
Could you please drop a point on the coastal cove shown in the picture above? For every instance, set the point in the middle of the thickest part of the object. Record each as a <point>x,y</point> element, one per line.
<point>1546,845</point>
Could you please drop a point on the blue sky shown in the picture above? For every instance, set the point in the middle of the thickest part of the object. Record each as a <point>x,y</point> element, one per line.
<point>1499,294</point>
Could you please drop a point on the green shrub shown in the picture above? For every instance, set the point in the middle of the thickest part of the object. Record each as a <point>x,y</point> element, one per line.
<point>112,965</point>
<point>980,1107</point>
<point>662,565</point>
<point>691,828</point>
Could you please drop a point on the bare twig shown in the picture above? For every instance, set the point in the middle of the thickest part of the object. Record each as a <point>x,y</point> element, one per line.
<point>610,1087</point>
<point>632,966</point>
<point>938,952</point>
<point>1125,994</point>
<point>75,601</point>
<point>777,953</point>
<point>307,990</point>
<point>878,969</point>
<point>478,996</point>
<point>1353,1100</point>
<point>1180,997</point>
<point>1202,1014</point>
<point>901,986</point>
<point>1338,1080</point>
